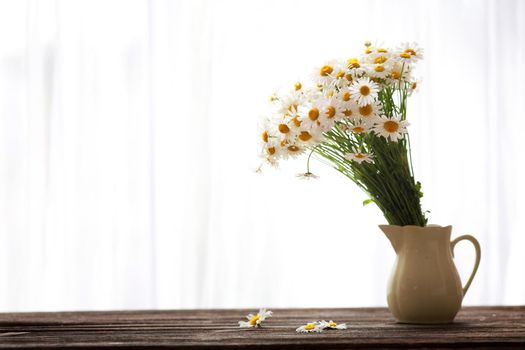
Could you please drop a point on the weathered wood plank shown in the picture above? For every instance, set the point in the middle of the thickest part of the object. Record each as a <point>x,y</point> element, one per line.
<point>481,327</point>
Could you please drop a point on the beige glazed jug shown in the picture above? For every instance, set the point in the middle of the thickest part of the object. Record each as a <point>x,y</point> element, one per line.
<point>424,285</point>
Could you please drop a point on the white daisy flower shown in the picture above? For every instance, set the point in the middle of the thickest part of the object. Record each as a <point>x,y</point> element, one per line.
<point>410,52</point>
<point>310,328</point>
<point>291,150</point>
<point>355,67</point>
<point>342,76</point>
<point>379,57</point>
<point>359,127</point>
<point>364,91</point>
<point>332,325</point>
<point>349,110</point>
<point>310,137</point>
<point>283,128</point>
<point>369,112</point>
<point>324,74</point>
<point>311,113</point>
<point>399,71</point>
<point>360,157</point>
<point>391,128</point>
<point>255,320</point>
<point>413,86</point>
<point>332,111</point>
<point>381,70</point>
<point>271,151</point>
<point>286,103</point>
<point>307,176</point>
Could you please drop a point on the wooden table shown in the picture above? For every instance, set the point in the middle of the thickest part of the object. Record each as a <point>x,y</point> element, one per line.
<point>370,328</point>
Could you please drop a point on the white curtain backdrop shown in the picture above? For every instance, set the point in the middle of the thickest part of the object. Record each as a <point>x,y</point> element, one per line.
<point>128,140</point>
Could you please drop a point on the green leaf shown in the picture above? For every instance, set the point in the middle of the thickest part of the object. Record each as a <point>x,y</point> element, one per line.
<point>368,201</point>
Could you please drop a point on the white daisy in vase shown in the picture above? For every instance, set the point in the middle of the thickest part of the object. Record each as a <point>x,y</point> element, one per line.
<point>399,71</point>
<point>360,157</point>
<point>310,137</point>
<point>391,128</point>
<point>332,325</point>
<point>380,57</point>
<point>255,320</point>
<point>291,149</point>
<point>355,68</point>
<point>324,75</point>
<point>331,112</point>
<point>307,176</point>
<point>368,113</point>
<point>349,109</point>
<point>380,71</point>
<point>311,113</point>
<point>409,52</point>
<point>310,328</point>
<point>342,76</point>
<point>283,129</point>
<point>359,127</point>
<point>271,151</point>
<point>364,91</point>
<point>413,86</point>
<point>287,102</point>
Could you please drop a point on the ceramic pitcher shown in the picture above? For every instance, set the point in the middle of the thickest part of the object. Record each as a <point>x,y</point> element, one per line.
<point>424,285</point>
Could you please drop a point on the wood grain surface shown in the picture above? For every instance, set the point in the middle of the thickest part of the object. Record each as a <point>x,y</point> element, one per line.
<point>368,328</point>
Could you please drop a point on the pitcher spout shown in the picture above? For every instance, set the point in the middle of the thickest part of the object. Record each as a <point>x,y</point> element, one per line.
<point>394,234</point>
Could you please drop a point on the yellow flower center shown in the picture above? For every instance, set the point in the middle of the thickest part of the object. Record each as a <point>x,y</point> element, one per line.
<point>353,63</point>
<point>368,51</point>
<point>358,129</point>
<point>254,319</point>
<point>359,155</point>
<point>349,77</point>
<point>325,70</point>
<point>298,86</point>
<point>395,74</point>
<point>292,107</point>
<point>330,112</point>
<point>283,128</point>
<point>284,143</point>
<point>380,59</point>
<point>347,112</point>
<point>265,136</point>
<point>273,98</point>
<point>293,148</point>
<point>271,151</point>
<point>410,51</point>
<point>309,326</point>
<point>346,96</point>
<point>296,122</point>
<point>305,136</point>
<point>414,85</point>
<point>330,93</point>
<point>405,55</point>
<point>379,68</point>
<point>382,50</point>
<point>365,111</point>
<point>340,75</point>
<point>313,114</point>
<point>391,126</point>
<point>332,324</point>
<point>364,90</point>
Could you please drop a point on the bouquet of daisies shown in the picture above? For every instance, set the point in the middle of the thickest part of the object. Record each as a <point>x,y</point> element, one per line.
<point>353,115</point>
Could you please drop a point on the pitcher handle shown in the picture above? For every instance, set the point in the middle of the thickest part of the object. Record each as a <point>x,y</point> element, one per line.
<point>478,257</point>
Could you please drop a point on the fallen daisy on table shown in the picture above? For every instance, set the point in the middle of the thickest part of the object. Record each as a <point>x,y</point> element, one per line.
<point>255,320</point>
<point>332,325</point>
<point>320,326</point>
<point>310,327</point>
